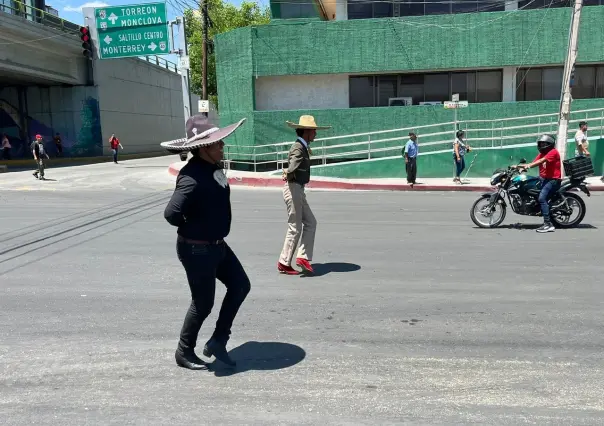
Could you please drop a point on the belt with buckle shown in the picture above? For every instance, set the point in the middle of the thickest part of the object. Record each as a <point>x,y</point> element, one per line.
<point>205,242</point>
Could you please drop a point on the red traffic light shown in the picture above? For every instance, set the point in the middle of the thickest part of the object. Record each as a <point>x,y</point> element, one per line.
<point>86,45</point>
<point>84,34</point>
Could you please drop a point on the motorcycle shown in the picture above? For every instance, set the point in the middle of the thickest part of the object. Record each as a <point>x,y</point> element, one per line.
<point>522,193</point>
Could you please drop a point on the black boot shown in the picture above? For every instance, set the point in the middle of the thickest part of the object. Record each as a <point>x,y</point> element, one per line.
<point>189,360</point>
<point>218,349</point>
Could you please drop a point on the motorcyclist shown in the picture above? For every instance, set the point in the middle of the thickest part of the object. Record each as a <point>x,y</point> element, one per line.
<point>550,173</point>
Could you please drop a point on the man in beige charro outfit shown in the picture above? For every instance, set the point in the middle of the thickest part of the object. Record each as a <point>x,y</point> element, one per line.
<point>301,221</point>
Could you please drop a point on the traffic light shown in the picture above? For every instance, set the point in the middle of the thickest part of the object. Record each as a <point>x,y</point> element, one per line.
<point>86,41</point>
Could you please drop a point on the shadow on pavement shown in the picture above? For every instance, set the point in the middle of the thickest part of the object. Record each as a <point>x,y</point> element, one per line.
<point>260,356</point>
<point>533,226</point>
<point>325,268</point>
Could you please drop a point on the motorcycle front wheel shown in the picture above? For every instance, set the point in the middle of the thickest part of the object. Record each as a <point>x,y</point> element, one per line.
<point>562,218</point>
<point>486,216</point>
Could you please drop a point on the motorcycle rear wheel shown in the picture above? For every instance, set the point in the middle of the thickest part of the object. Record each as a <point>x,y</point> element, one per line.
<point>479,210</point>
<point>573,200</point>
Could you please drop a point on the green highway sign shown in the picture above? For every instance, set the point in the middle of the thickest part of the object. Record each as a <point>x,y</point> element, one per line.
<point>132,30</point>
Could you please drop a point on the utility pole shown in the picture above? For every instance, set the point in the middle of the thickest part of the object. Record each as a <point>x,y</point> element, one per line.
<point>204,69</point>
<point>184,63</point>
<point>569,69</point>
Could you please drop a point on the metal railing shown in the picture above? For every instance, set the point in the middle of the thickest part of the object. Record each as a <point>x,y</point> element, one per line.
<point>40,16</point>
<point>161,62</point>
<point>433,138</point>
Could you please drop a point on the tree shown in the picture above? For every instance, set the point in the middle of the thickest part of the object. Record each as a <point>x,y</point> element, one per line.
<point>223,17</point>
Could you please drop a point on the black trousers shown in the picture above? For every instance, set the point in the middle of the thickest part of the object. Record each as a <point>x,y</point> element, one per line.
<point>411,167</point>
<point>204,263</point>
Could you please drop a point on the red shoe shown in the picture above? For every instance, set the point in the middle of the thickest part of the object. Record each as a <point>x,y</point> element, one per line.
<point>305,265</point>
<point>288,270</point>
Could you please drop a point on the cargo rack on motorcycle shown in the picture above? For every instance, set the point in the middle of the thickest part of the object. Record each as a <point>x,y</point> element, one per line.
<point>578,167</point>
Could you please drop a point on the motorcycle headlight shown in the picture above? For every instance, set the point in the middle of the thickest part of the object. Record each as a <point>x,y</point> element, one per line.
<point>494,180</point>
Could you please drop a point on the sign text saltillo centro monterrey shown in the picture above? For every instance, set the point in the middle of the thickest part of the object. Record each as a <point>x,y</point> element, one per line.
<point>132,30</point>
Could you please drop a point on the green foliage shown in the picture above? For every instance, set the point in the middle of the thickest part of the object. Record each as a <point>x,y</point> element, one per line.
<point>223,17</point>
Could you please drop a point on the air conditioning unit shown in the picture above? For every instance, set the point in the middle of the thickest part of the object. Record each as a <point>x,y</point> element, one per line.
<point>406,101</point>
<point>431,103</point>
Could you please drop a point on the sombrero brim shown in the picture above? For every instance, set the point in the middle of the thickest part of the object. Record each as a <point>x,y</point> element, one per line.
<point>297,126</point>
<point>199,141</point>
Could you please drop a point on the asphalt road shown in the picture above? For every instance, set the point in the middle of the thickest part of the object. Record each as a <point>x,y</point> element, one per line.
<point>414,316</point>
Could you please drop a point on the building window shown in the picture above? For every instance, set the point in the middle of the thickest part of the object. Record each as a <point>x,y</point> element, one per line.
<point>412,86</point>
<point>362,91</point>
<point>436,87</point>
<point>446,7</point>
<point>489,86</point>
<point>544,4</point>
<point>537,84</point>
<point>473,86</point>
<point>296,9</point>
<point>464,83</point>
<point>364,9</point>
<point>552,83</point>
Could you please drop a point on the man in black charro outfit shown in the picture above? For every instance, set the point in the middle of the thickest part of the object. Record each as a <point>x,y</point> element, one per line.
<point>201,209</point>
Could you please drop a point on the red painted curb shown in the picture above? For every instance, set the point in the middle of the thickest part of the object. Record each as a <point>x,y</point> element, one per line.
<point>358,186</point>
<point>318,184</point>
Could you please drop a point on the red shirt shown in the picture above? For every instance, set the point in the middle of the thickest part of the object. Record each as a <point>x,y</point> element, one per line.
<point>551,168</point>
<point>115,143</point>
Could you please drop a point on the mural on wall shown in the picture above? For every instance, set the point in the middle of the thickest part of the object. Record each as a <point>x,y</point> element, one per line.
<point>90,140</point>
<point>86,142</point>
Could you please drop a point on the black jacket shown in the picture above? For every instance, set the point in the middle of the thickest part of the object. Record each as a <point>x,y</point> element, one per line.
<point>200,206</point>
<point>299,164</point>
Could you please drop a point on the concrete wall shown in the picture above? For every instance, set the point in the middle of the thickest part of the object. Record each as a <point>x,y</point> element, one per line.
<point>301,91</point>
<point>341,10</point>
<point>140,102</point>
<point>71,111</point>
<point>509,84</point>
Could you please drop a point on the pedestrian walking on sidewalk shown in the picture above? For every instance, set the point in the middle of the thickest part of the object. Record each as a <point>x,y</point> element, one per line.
<point>38,151</point>
<point>459,153</point>
<point>201,209</point>
<point>114,143</point>
<point>301,222</point>
<point>410,153</point>
<point>58,144</point>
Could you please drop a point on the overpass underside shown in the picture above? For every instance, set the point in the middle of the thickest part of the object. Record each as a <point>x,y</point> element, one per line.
<point>38,54</point>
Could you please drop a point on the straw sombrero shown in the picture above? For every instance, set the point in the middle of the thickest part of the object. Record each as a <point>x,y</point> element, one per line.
<point>306,122</point>
<point>200,132</point>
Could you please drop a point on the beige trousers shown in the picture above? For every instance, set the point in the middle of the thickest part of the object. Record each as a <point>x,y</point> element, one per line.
<point>300,222</point>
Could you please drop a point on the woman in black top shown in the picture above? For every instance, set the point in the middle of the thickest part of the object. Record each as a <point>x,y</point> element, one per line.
<point>201,209</point>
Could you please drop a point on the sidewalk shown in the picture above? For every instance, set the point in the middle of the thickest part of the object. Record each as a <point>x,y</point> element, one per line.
<point>266,180</point>
<point>20,163</point>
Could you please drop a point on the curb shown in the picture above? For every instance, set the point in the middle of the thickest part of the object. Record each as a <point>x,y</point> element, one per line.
<point>264,182</point>
<point>357,186</point>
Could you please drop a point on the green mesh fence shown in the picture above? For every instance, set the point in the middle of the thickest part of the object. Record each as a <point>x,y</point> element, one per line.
<point>469,40</point>
<point>430,43</point>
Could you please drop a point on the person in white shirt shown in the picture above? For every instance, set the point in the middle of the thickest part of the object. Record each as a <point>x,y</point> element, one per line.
<point>581,140</point>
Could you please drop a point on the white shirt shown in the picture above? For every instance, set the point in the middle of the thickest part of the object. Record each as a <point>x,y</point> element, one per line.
<point>581,139</point>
